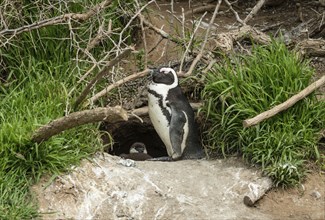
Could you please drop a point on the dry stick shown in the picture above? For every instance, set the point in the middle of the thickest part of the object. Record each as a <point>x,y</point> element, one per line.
<point>117,84</point>
<point>200,54</point>
<point>75,119</point>
<point>256,8</point>
<point>160,31</point>
<point>144,44</point>
<point>57,20</point>
<point>190,42</point>
<point>285,105</point>
<point>200,9</point>
<point>101,74</point>
<point>130,21</point>
<point>101,35</point>
<point>235,13</point>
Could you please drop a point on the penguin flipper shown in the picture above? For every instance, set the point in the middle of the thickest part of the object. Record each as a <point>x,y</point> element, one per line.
<point>178,125</point>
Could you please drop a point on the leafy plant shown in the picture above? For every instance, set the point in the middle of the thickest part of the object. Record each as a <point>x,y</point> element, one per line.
<point>244,86</point>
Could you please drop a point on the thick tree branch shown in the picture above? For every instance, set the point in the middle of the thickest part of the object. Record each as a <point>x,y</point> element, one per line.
<point>79,118</point>
<point>285,105</point>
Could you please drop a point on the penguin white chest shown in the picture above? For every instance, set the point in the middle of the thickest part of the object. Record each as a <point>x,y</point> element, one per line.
<point>158,113</point>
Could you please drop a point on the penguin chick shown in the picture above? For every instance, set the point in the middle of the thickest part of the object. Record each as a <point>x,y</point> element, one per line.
<point>138,147</point>
<point>172,116</point>
<point>137,152</point>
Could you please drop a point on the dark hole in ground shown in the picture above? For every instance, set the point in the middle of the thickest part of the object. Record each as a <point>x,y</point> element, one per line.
<point>124,134</point>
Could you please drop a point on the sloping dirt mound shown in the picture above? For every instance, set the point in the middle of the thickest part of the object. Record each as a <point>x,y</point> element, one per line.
<point>113,188</point>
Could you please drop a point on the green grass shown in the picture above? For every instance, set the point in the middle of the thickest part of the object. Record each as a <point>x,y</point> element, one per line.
<point>244,86</point>
<point>38,71</point>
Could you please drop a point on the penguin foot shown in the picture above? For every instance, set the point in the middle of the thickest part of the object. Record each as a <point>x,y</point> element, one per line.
<point>166,159</point>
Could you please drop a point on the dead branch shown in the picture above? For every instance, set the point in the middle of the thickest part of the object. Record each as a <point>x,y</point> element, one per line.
<point>257,191</point>
<point>200,54</point>
<point>76,119</point>
<point>160,31</point>
<point>117,84</point>
<point>200,9</point>
<point>101,74</point>
<point>285,105</point>
<point>317,27</point>
<point>225,41</point>
<point>256,8</point>
<point>144,44</point>
<point>234,12</point>
<point>57,20</point>
<point>101,35</point>
<point>312,47</point>
<point>190,41</point>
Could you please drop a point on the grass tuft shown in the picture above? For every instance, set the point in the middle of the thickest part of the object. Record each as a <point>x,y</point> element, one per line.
<point>244,86</point>
<point>39,71</point>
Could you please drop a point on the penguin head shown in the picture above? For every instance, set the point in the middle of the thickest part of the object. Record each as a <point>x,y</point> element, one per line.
<point>165,76</point>
<point>138,147</point>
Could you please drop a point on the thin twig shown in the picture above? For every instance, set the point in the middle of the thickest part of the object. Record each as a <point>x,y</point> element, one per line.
<point>145,63</point>
<point>101,74</point>
<point>190,42</point>
<point>57,20</point>
<point>130,21</point>
<point>234,12</point>
<point>200,9</point>
<point>256,8</point>
<point>117,84</point>
<point>160,31</point>
<point>200,54</point>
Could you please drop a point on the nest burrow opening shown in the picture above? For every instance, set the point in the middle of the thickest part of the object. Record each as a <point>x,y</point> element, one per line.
<point>126,133</point>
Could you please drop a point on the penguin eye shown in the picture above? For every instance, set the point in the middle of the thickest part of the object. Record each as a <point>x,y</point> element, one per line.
<point>164,72</point>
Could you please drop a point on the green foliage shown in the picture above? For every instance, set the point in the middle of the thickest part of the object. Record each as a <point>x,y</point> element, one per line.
<point>245,86</point>
<point>38,71</point>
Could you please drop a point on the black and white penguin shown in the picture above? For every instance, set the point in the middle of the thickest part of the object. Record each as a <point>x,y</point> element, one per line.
<point>137,152</point>
<point>172,116</point>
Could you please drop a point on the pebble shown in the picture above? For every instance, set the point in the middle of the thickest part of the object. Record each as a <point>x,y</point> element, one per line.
<point>316,194</point>
<point>127,162</point>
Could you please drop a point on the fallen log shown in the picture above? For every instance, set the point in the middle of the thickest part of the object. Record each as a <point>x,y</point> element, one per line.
<point>111,114</point>
<point>257,191</point>
<point>285,105</point>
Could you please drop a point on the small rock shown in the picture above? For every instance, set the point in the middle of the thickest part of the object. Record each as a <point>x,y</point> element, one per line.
<point>316,194</point>
<point>126,162</point>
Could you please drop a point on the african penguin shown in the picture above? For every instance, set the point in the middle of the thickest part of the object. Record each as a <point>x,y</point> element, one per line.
<point>137,152</point>
<point>172,116</point>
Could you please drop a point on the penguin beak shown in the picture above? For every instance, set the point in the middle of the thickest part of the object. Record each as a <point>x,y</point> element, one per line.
<point>152,72</point>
